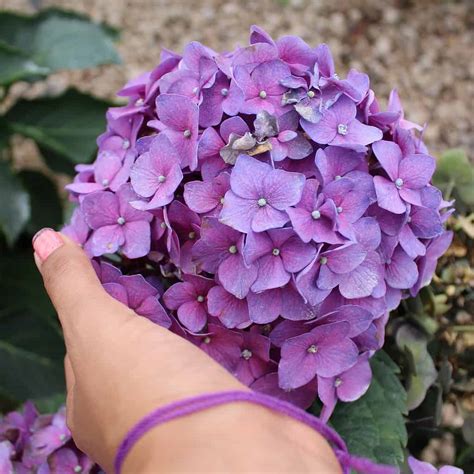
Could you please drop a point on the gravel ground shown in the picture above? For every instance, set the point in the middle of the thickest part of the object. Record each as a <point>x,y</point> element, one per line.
<point>422,47</point>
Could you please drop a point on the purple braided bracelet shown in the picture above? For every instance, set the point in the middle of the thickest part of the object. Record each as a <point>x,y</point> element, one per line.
<point>202,402</point>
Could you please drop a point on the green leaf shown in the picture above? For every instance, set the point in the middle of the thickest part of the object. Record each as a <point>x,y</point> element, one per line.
<point>24,374</point>
<point>46,209</point>
<point>455,176</point>
<point>422,372</point>
<point>67,125</point>
<point>373,426</point>
<point>15,204</point>
<point>31,343</point>
<point>31,47</point>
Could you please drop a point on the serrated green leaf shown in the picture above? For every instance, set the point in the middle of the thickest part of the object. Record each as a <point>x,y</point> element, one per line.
<point>67,125</point>
<point>422,373</point>
<point>31,47</point>
<point>373,426</point>
<point>14,204</point>
<point>46,209</point>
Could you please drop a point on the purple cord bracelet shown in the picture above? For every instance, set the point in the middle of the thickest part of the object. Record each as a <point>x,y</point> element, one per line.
<point>191,405</point>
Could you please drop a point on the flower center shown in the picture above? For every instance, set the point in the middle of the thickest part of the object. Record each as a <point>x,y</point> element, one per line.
<point>62,437</point>
<point>342,129</point>
<point>187,133</point>
<point>77,468</point>
<point>315,215</point>
<point>399,182</point>
<point>246,354</point>
<point>206,340</point>
<point>312,349</point>
<point>200,299</point>
<point>161,178</point>
<point>192,235</point>
<point>224,91</point>
<point>262,202</point>
<point>195,90</point>
<point>163,225</point>
<point>105,182</point>
<point>262,95</point>
<point>323,260</point>
<point>233,249</point>
<point>276,252</point>
<point>337,177</point>
<point>125,143</point>
<point>339,209</point>
<point>310,94</point>
<point>337,382</point>
<point>139,102</point>
<point>221,200</point>
<point>120,220</point>
<point>409,219</point>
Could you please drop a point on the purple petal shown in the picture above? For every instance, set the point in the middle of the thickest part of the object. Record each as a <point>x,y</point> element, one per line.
<point>388,196</point>
<point>231,311</point>
<point>389,156</point>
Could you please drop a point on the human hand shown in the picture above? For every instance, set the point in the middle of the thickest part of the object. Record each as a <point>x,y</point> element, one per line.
<point>120,366</point>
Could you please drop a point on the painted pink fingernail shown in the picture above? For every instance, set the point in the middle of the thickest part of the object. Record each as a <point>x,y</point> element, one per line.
<point>45,242</point>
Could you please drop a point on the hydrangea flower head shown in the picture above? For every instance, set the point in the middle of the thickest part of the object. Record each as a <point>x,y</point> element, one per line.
<point>264,208</point>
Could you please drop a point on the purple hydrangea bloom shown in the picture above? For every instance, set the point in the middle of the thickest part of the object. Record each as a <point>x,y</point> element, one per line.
<point>277,254</point>
<point>220,251</point>
<point>407,176</point>
<point>347,387</point>
<point>259,196</point>
<point>420,467</point>
<point>135,292</point>
<point>338,126</point>
<point>189,298</point>
<point>325,351</point>
<point>156,174</point>
<point>283,208</point>
<point>116,224</point>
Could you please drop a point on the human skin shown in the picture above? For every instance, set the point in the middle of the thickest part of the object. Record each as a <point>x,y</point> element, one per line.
<point>120,366</point>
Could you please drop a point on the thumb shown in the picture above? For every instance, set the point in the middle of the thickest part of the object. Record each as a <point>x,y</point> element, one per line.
<point>70,281</point>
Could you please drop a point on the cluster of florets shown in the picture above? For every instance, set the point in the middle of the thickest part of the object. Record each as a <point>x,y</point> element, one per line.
<point>282,210</point>
<point>32,443</point>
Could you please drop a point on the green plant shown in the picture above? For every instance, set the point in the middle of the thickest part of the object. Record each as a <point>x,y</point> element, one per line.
<point>64,129</point>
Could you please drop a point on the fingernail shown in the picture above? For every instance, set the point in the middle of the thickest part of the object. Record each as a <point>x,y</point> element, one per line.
<point>45,242</point>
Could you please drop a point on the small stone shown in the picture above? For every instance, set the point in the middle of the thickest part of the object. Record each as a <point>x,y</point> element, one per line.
<point>312,349</point>
<point>315,215</point>
<point>262,95</point>
<point>262,202</point>
<point>342,129</point>
<point>120,220</point>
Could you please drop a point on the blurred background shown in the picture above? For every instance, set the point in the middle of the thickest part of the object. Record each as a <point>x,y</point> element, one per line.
<point>424,48</point>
